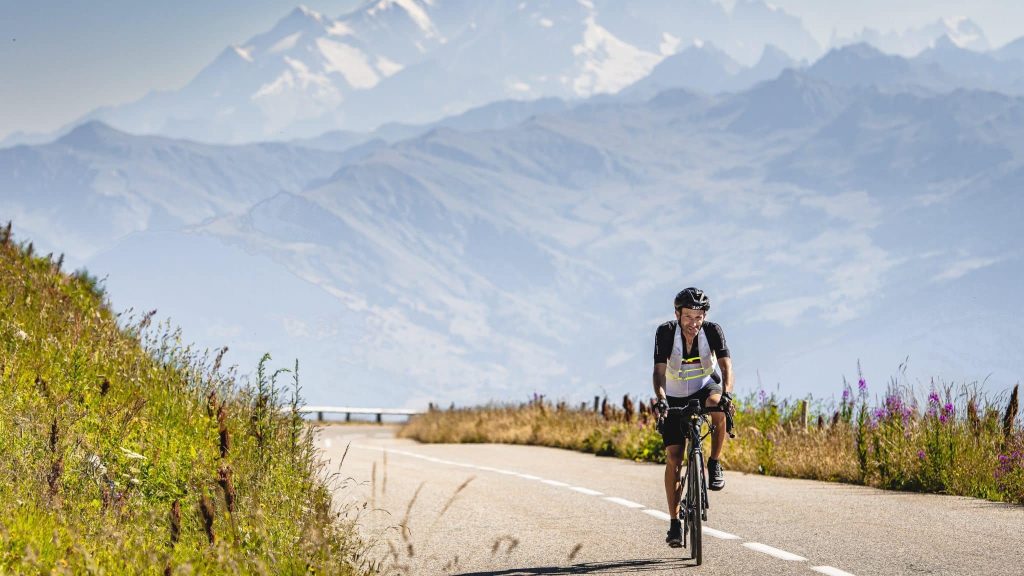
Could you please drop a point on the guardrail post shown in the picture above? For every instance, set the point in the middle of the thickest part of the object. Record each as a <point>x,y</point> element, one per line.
<point>319,416</point>
<point>348,416</point>
<point>380,418</point>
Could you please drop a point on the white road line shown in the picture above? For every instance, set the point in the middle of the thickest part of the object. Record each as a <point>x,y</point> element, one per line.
<point>830,571</point>
<point>757,546</point>
<point>623,502</point>
<point>657,514</point>
<point>718,534</point>
<point>780,554</point>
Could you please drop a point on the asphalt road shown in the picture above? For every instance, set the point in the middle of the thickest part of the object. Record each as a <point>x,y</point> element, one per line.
<point>511,510</point>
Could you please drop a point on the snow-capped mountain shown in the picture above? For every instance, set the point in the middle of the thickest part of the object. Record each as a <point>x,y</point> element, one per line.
<point>415,61</point>
<point>959,30</point>
<point>829,223</point>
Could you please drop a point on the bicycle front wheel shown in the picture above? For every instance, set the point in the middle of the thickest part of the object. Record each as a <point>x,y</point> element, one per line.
<point>695,505</point>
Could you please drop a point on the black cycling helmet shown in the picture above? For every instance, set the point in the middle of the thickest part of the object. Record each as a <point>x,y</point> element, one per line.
<point>694,299</point>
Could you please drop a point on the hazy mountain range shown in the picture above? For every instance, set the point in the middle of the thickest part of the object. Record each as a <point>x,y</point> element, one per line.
<point>863,207</point>
<point>421,60</point>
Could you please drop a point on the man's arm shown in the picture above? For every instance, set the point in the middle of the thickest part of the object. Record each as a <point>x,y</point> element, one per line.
<point>725,365</point>
<point>659,381</point>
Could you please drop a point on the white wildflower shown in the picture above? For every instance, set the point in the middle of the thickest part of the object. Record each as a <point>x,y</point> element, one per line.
<point>132,455</point>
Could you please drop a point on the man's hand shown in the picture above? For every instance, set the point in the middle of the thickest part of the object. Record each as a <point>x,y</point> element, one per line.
<point>661,408</point>
<point>726,403</point>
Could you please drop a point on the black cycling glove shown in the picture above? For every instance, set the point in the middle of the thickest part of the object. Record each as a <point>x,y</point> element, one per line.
<point>661,408</point>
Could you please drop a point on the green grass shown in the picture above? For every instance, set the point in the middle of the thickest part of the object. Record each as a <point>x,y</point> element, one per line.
<point>950,441</point>
<point>115,436</point>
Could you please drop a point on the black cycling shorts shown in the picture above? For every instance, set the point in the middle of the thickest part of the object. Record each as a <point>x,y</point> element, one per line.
<point>673,427</point>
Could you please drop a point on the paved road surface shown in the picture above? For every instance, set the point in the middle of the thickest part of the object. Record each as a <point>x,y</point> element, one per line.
<point>529,510</point>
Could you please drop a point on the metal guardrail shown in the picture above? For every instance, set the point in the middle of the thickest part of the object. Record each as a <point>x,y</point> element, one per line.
<point>348,411</point>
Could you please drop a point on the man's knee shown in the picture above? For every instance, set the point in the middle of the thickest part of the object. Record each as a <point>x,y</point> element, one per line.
<point>674,455</point>
<point>713,400</point>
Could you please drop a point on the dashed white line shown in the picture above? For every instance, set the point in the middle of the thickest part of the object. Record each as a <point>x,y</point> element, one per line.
<point>624,502</point>
<point>830,571</point>
<point>756,546</point>
<point>780,554</point>
<point>657,514</point>
<point>718,534</point>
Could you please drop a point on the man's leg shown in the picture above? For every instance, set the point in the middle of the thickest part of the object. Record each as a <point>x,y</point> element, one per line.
<point>673,467</point>
<point>717,478</point>
<point>718,419</point>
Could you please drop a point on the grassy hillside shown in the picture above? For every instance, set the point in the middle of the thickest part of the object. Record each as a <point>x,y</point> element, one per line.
<point>951,441</point>
<point>124,451</point>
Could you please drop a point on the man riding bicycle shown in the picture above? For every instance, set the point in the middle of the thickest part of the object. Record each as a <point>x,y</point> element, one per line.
<point>686,351</point>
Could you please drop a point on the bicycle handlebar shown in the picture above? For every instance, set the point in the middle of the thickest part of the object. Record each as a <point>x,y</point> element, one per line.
<point>698,407</point>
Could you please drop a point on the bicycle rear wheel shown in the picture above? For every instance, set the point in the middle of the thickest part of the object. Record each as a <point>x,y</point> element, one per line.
<point>694,505</point>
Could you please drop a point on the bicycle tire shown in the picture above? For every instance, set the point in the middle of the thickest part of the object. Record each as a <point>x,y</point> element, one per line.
<point>695,506</point>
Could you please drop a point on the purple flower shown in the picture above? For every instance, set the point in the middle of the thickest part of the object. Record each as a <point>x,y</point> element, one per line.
<point>846,395</point>
<point>862,385</point>
<point>948,408</point>
<point>920,454</point>
<point>943,417</point>
<point>933,398</point>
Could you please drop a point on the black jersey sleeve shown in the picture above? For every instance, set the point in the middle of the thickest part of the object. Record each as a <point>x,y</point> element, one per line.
<point>716,339</point>
<point>663,340</point>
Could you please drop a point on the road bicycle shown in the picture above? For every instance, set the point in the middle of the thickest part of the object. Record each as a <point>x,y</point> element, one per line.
<point>693,509</point>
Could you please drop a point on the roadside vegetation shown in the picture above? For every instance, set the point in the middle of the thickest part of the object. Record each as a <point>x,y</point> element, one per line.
<point>122,450</point>
<point>943,439</point>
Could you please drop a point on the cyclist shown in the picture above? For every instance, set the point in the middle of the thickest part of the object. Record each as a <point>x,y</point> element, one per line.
<point>686,352</point>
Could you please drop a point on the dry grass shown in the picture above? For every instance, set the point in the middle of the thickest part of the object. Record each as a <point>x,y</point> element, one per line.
<point>955,442</point>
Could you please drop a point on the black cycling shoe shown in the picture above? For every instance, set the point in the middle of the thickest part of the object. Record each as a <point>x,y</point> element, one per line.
<point>675,533</point>
<point>717,476</point>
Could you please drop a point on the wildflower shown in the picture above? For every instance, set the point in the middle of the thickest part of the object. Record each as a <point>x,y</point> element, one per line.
<point>933,398</point>
<point>846,395</point>
<point>862,385</point>
<point>920,454</point>
<point>96,465</point>
<point>132,455</point>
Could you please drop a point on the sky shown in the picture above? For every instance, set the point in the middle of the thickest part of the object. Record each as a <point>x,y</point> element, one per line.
<point>62,58</point>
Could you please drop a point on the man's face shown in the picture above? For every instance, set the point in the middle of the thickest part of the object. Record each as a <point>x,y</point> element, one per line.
<point>690,320</point>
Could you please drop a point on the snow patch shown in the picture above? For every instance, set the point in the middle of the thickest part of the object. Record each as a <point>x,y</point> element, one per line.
<point>608,64</point>
<point>339,29</point>
<point>388,67</point>
<point>416,12</point>
<point>669,44</point>
<point>245,53</point>
<point>284,44</point>
<point>348,61</point>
